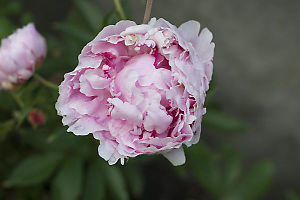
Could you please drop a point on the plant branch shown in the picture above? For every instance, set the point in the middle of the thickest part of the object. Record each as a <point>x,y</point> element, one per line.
<point>45,82</point>
<point>17,98</point>
<point>147,11</point>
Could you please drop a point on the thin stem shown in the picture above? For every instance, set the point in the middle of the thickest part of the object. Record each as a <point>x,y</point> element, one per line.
<point>45,82</point>
<point>120,9</point>
<point>147,11</point>
<point>17,99</point>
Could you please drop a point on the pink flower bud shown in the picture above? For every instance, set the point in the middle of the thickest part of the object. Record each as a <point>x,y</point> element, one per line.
<point>36,118</point>
<point>20,53</point>
<point>140,89</point>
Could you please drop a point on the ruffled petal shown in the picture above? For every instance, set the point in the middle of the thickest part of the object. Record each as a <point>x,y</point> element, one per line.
<point>114,29</point>
<point>189,30</point>
<point>204,46</point>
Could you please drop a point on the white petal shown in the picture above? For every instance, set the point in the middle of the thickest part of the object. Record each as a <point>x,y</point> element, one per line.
<point>114,29</point>
<point>204,46</point>
<point>175,156</point>
<point>189,30</point>
<point>84,126</point>
<point>106,150</point>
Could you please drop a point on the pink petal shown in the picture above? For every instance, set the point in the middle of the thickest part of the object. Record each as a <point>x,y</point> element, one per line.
<point>125,111</point>
<point>114,29</point>
<point>157,119</point>
<point>84,126</point>
<point>204,46</point>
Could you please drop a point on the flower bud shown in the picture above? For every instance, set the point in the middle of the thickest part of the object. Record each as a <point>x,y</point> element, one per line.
<point>20,53</point>
<point>36,118</point>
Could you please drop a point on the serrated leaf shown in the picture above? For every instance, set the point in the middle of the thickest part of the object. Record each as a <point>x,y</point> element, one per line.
<point>33,170</point>
<point>116,183</point>
<point>67,183</point>
<point>90,13</point>
<point>223,122</point>
<point>95,182</point>
<point>254,184</point>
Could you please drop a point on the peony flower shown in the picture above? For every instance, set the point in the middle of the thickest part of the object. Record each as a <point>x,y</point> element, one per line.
<point>140,89</point>
<point>20,53</point>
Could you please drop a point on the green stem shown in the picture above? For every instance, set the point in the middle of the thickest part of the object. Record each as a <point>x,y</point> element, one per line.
<point>17,99</point>
<point>120,9</point>
<point>45,82</point>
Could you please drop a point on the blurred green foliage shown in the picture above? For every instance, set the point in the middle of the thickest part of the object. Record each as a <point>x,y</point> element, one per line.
<point>291,195</point>
<point>221,175</point>
<point>48,163</point>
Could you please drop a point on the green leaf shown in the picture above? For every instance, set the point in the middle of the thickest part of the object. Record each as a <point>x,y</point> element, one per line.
<point>90,12</point>
<point>95,182</point>
<point>6,27</point>
<point>135,180</point>
<point>254,184</point>
<point>21,116</point>
<point>26,91</point>
<point>6,127</point>
<point>291,195</point>
<point>223,122</point>
<point>116,183</point>
<point>26,18</point>
<point>74,32</point>
<point>232,166</point>
<point>111,18</point>
<point>12,8</point>
<point>67,183</point>
<point>9,104</point>
<point>33,170</point>
<point>205,168</point>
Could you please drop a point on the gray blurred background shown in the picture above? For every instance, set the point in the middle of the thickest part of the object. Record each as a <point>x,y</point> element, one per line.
<point>257,72</point>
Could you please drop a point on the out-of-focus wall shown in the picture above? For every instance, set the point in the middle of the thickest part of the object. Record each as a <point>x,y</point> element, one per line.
<point>257,69</point>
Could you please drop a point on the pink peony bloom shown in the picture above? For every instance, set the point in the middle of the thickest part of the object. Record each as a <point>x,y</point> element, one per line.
<point>20,53</point>
<point>140,89</point>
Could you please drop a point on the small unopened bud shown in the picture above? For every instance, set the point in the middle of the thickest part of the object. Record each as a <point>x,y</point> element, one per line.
<point>36,118</point>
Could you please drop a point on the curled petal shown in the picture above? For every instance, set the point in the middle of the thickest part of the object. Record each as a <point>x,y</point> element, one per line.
<point>175,156</point>
<point>189,30</point>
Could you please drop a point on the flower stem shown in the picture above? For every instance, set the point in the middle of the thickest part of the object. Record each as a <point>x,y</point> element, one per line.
<point>120,9</point>
<point>17,98</point>
<point>45,82</point>
<point>147,11</point>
